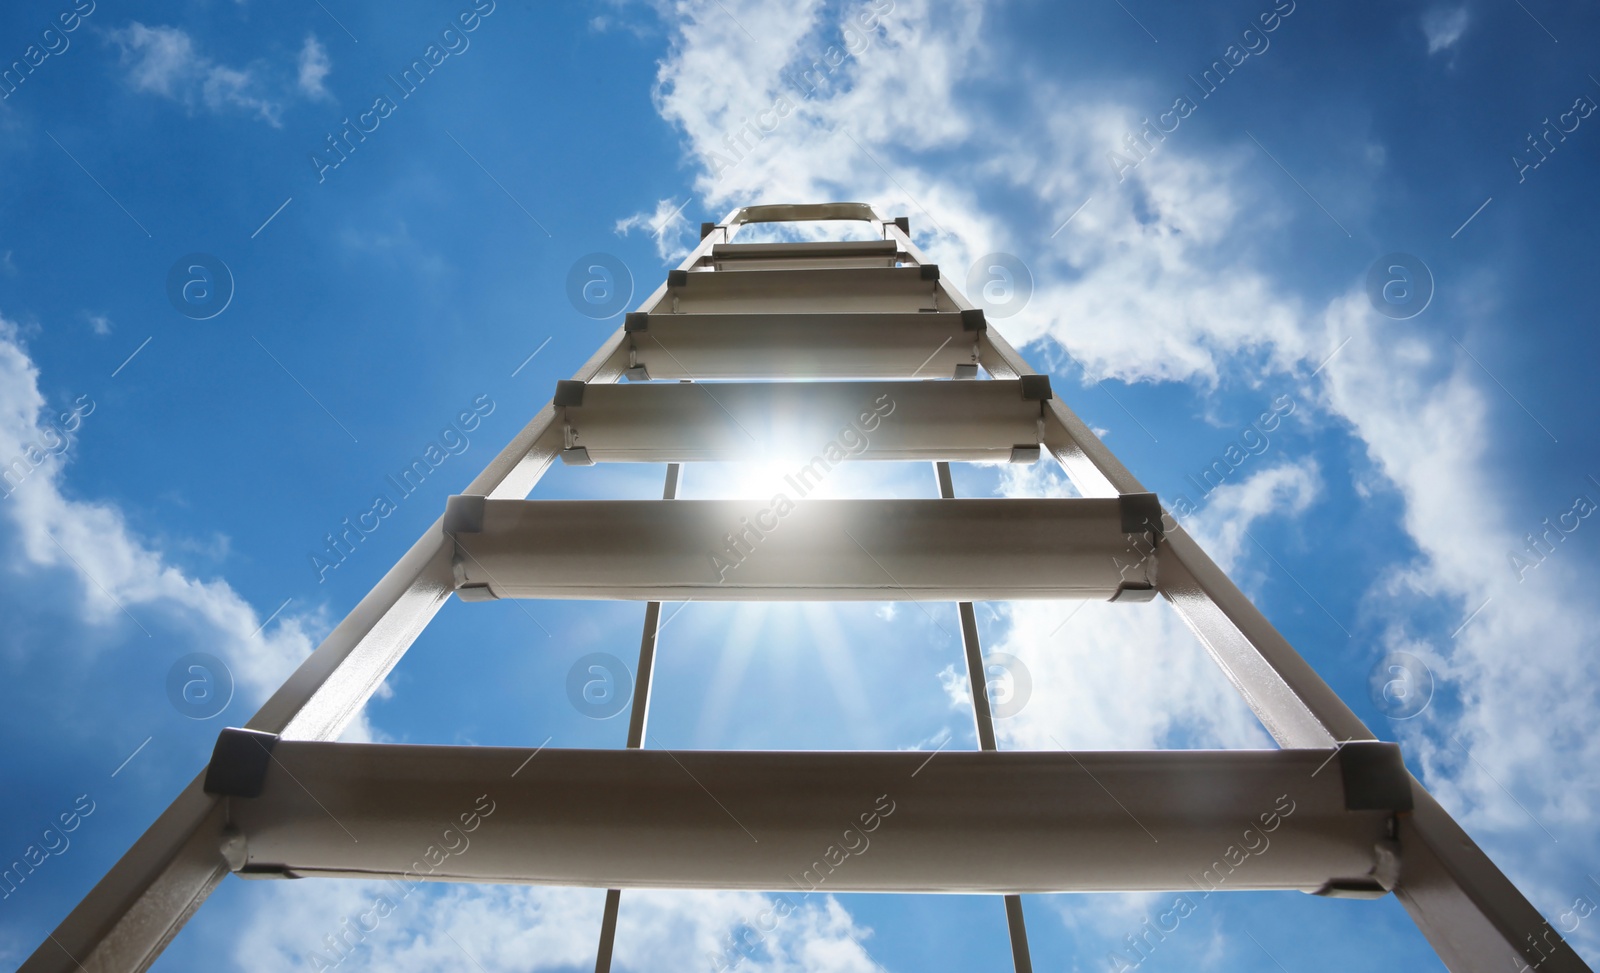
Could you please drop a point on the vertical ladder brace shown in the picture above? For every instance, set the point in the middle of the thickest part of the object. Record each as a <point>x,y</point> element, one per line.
<point>637,717</point>
<point>977,678</point>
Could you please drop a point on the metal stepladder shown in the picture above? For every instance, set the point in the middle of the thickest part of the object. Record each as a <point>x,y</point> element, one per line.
<point>848,330</point>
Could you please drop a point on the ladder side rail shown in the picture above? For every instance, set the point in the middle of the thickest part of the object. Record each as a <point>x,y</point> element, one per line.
<point>1295,705</point>
<point>1472,915</point>
<point>130,915</point>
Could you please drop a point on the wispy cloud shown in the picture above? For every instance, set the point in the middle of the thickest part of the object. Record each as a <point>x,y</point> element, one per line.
<point>665,225</point>
<point>1167,266</point>
<point>165,61</point>
<point>1443,26</point>
<point>550,929</point>
<point>114,574</point>
<point>314,66</point>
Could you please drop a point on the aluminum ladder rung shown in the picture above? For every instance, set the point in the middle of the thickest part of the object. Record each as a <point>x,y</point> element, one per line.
<point>790,345</point>
<point>650,422</point>
<point>967,822</point>
<point>997,822</point>
<point>789,548</point>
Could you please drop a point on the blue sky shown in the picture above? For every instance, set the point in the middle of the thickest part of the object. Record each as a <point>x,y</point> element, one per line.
<point>1178,293</point>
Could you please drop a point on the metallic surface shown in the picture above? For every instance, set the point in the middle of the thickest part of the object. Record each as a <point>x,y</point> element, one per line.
<point>1002,822</point>
<point>898,821</point>
<point>666,422</point>
<point>799,345</point>
<point>811,550</point>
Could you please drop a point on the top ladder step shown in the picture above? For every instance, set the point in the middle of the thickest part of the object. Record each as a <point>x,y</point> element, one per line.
<point>824,248</point>
<point>805,290</point>
<point>848,254</point>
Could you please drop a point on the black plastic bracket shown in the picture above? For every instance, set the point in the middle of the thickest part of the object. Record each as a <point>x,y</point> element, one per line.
<point>904,223</point>
<point>929,271</point>
<point>636,321</point>
<point>463,514</point>
<point>1352,888</point>
<point>973,320</point>
<point>677,278</point>
<point>239,762</point>
<point>1140,512</point>
<point>568,392</point>
<point>706,229</point>
<point>1375,777</point>
<point>1036,388</point>
<point>1134,593</point>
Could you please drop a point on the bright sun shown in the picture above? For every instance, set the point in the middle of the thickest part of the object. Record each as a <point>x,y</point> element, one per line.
<point>749,481</point>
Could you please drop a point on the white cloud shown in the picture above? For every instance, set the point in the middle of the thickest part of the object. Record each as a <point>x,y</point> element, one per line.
<point>158,59</point>
<point>119,578</point>
<point>1150,263</point>
<point>1285,490</point>
<point>1157,279</point>
<point>623,19</point>
<point>1121,676</point>
<point>1443,27</point>
<point>1166,306</point>
<point>666,225</point>
<point>542,928</point>
<point>1433,441</point>
<point>163,61</point>
<point>100,323</point>
<point>1527,722</point>
<point>314,66</point>
<point>1143,260</point>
